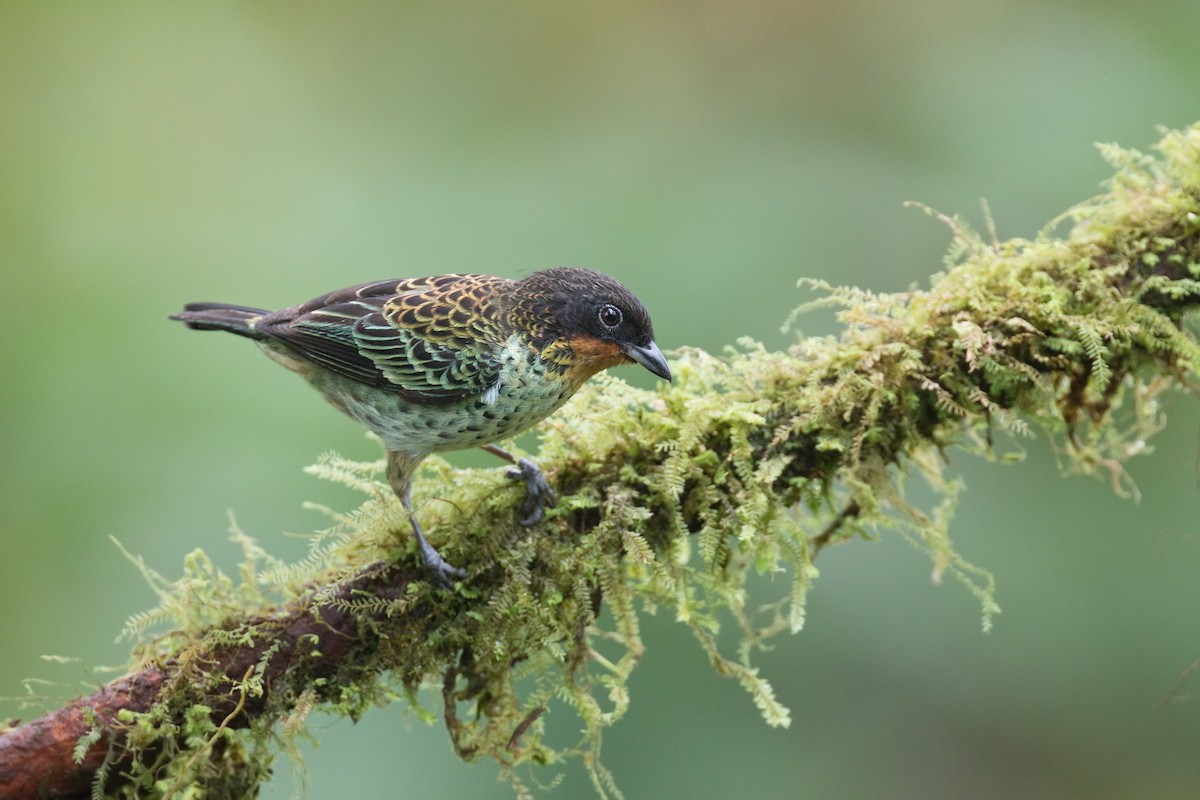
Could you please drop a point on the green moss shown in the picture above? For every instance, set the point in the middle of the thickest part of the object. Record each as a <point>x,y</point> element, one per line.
<point>750,463</point>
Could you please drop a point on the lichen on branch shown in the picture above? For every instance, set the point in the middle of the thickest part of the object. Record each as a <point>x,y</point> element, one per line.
<point>752,462</point>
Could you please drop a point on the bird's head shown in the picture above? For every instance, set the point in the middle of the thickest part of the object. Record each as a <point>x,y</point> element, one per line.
<point>584,321</point>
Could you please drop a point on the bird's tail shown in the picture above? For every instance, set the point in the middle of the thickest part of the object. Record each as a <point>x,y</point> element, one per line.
<point>221,317</point>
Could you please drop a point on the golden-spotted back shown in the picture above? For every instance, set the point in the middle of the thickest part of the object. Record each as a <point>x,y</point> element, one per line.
<point>427,339</point>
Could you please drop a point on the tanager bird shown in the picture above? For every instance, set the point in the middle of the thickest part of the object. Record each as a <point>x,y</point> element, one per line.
<point>450,362</point>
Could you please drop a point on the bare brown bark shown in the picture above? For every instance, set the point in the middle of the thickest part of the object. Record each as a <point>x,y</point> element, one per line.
<point>37,759</point>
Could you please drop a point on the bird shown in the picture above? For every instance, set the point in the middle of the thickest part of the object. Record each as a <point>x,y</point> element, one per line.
<point>450,362</point>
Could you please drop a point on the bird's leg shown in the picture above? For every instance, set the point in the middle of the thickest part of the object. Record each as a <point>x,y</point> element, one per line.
<point>538,492</point>
<point>441,571</point>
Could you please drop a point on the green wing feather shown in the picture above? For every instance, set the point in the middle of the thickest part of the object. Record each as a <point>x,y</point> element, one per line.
<point>433,340</point>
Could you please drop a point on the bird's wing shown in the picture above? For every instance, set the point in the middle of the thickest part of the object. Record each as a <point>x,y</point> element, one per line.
<point>430,339</point>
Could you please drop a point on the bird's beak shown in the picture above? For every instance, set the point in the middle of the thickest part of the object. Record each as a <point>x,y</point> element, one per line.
<point>649,357</point>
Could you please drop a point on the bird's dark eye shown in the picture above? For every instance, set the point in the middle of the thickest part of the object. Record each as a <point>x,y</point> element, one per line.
<point>610,316</point>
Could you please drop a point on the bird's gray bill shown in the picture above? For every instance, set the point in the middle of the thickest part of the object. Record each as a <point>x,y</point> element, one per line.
<point>651,358</point>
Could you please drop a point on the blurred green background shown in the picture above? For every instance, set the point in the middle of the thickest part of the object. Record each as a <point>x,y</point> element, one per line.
<point>706,153</point>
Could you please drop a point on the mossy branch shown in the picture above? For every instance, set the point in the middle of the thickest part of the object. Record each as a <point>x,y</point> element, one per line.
<point>752,462</point>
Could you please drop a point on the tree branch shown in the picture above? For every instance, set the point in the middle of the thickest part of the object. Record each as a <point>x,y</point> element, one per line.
<point>37,759</point>
<point>669,497</point>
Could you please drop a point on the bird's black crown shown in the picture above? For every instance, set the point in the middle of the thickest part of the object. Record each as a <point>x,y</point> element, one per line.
<point>566,302</point>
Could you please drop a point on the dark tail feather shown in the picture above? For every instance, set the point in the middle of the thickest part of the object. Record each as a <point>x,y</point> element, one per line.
<point>220,317</point>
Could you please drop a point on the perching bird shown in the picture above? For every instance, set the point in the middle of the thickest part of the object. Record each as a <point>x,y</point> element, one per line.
<point>452,361</point>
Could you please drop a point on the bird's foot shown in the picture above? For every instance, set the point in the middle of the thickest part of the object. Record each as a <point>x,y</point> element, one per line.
<point>538,495</point>
<point>441,572</point>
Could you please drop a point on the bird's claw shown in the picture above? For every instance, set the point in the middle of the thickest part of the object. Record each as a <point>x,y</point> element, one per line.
<point>440,571</point>
<point>538,495</point>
